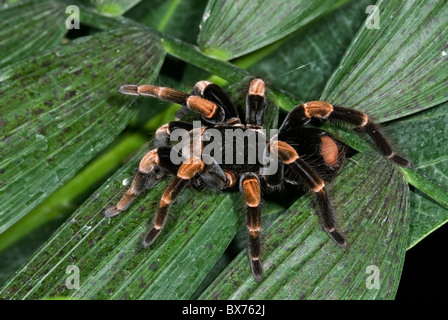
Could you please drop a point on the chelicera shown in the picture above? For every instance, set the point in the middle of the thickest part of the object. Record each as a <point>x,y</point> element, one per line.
<point>303,155</point>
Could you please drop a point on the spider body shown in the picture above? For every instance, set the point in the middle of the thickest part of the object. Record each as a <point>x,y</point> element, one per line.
<point>239,149</point>
<point>225,151</point>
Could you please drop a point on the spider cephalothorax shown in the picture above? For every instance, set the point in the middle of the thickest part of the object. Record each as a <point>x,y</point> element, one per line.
<point>296,155</point>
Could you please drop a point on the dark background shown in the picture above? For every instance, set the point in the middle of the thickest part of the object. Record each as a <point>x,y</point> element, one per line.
<point>425,272</point>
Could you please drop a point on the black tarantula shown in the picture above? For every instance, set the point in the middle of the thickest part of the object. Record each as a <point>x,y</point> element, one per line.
<point>291,148</point>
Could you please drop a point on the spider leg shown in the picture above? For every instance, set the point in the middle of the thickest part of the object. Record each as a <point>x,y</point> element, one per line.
<point>151,169</point>
<point>214,93</point>
<point>137,186</point>
<point>288,155</point>
<point>250,187</point>
<point>171,192</point>
<point>209,110</point>
<point>232,178</point>
<point>276,179</point>
<point>212,174</point>
<point>318,148</point>
<point>255,102</point>
<point>186,171</point>
<point>273,179</point>
<point>190,167</point>
<point>303,113</point>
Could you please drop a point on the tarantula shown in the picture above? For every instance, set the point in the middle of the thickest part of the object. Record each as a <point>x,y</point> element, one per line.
<point>303,155</point>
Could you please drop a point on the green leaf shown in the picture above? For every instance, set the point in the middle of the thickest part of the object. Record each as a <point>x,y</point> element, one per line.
<point>8,3</point>
<point>230,29</point>
<point>426,216</point>
<point>110,257</point>
<point>303,64</point>
<point>178,18</point>
<point>148,273</point>
<point>300,260</point>
<point>113,8</point>
<point>58,206</point>
<point>428,151</point>
<point>400,68</point>
<point>191,54</point>
<point>29,28</point>
<point>16,255</point>
<point>61,108</point>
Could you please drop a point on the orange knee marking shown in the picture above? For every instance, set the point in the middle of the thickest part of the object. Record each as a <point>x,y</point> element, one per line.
<point>284,151</point>
<point>206,108</point>
<point>320,109</point>
<point>230,179</point>
<point>189,168</point>
<point>149,161</point>
<point>319,187</point>
<point>252,192</point>
<point>257,87</point>
<point>125,201</point>
<point>165,201</point>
